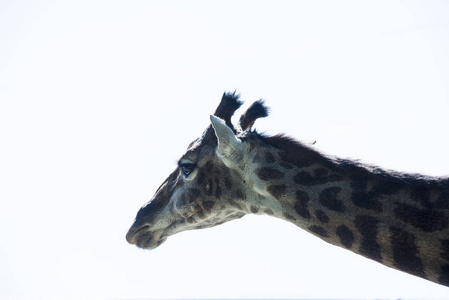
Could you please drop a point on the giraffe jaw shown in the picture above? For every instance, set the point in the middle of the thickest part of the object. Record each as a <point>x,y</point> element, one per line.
<point>146,237</point>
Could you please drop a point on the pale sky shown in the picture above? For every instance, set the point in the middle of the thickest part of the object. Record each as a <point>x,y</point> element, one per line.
<point>98,100</point>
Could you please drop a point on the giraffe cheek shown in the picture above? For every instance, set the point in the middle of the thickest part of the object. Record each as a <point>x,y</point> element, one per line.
<point>186,208</point>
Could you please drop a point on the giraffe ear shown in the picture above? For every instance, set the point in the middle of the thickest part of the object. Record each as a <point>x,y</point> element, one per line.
<point>229,147</point>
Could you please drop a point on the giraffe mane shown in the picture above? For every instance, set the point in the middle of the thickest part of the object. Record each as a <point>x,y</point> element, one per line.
<point>302,155</point>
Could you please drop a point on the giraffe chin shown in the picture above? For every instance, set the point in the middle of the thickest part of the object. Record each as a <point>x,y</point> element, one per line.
<point>152,244</point>
<point>145,239</point>
<point>149,242</point>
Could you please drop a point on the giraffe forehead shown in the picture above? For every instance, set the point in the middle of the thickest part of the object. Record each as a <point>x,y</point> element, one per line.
<point>197,151</point>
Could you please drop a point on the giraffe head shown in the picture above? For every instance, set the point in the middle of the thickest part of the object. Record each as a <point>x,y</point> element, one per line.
<point>208,187</point>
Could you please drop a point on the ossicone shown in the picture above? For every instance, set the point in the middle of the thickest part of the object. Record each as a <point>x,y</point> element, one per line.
<point>255,111</point>
<point>230,102</point>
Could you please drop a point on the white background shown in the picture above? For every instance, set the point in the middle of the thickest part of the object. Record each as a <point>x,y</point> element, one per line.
<point>98,99</point>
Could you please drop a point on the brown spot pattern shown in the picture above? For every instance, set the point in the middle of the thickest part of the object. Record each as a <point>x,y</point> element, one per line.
<point>425,219</point>
<point>363,198</point>
<point>277,190</point>
<point>445,249</point>
<point>318,230</point>
<point>269,158</point>
<point>321,215</point>
<point>329,199</point>
<point>267,174</point>
<point>369,246</point>
<point>254,209</point>
<point>301,205</point>
<point>346,236</point>
<point>444,275</point>
<point>405,252</point>
<point>286,165</point>
<point>305,178</point>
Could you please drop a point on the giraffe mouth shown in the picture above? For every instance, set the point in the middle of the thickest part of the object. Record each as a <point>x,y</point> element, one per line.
<point>143,238</point>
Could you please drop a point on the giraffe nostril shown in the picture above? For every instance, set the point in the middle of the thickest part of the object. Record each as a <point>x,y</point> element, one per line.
<point>130,236</point>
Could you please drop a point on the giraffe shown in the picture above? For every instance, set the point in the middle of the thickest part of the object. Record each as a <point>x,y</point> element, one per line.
<point>399,220</point>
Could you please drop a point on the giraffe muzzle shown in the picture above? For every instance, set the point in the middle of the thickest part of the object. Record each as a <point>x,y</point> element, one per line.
<point>144,238</point>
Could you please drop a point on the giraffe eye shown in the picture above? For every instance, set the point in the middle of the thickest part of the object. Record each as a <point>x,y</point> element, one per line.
<point>187,169</point>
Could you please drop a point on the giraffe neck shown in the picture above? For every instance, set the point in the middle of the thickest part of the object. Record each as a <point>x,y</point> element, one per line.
<point>398,220</point>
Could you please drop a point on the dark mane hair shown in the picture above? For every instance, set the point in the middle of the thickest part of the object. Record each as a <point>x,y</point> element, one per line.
<point>300,155</point>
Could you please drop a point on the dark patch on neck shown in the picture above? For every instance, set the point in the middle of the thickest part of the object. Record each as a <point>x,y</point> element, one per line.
<point>285,165</point>
<point>321,216</point>
<point>444,275</point>
<point>425,219</point>
<point>369,246</point>
<point>301,205</point>
<point>267,174</point>
<point>346,236</point>
<point>445,249</point>
<point>296,153</point>
<point>405,252</point>
<point>442,201</point>
<point>293,152</point>
<point>422,195</point>
<point>318,230</point>
<point>385,187</point>
<point>366,201</point>
<point>269,158</point>
<point>305,178</point>
<point>363,198</point>
<point>329,199</point>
